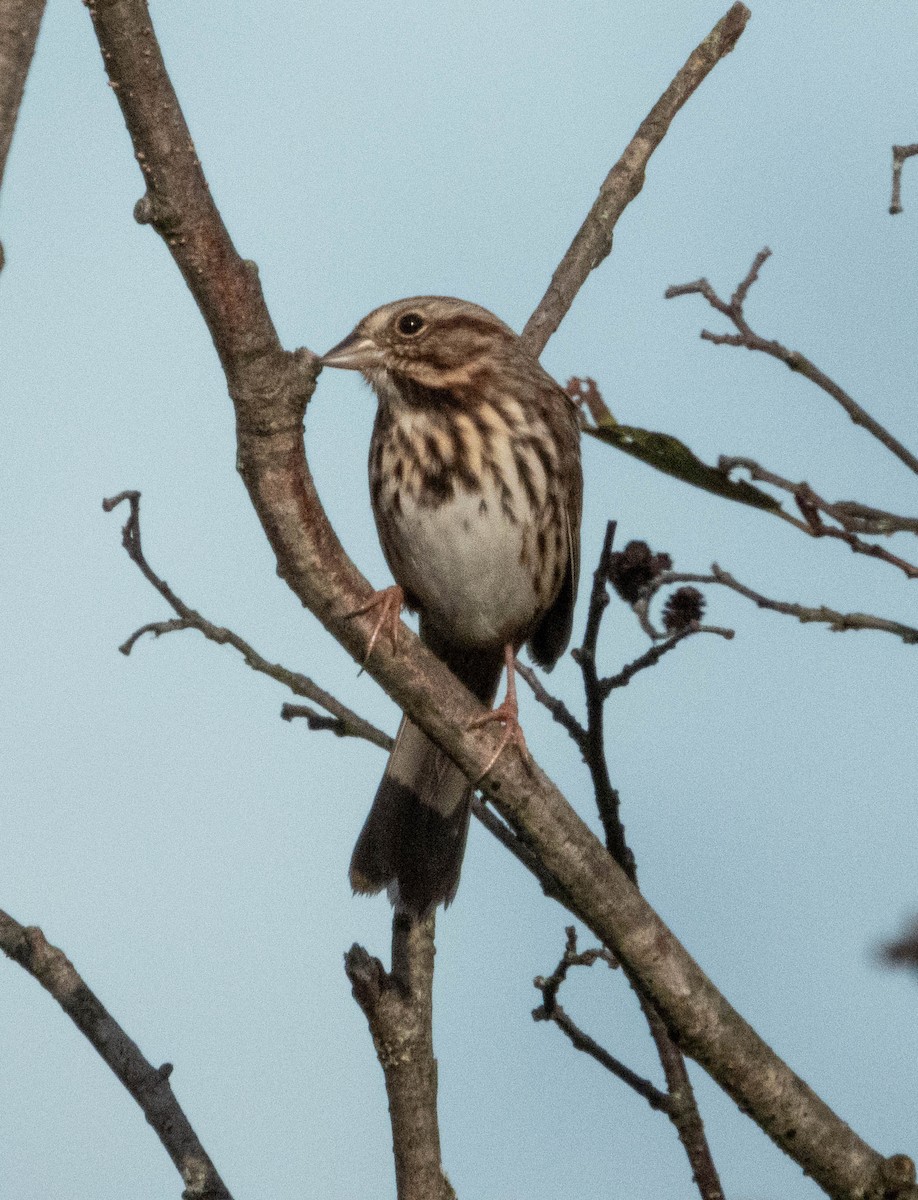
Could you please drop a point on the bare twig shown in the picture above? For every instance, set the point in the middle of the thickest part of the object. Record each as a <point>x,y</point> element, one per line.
<point>20,21</point>
<point>682,1107</point>
<point>651,657</point>
<point>398,1009</point>
<point>607,797</point>
<point>270,389</point>
<point>551,1010</point>
<point>148,1085</point>
<point>593,241</point>
<point>850,514</point>
<point>838,622</point>
<point>793,359</point>
<point>899,155</point>
<point>667,454</point>
<point>343,721</point>
<point>556,706</point>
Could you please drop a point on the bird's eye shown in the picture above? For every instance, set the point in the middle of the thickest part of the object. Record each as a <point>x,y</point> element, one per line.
<point>410,324</point>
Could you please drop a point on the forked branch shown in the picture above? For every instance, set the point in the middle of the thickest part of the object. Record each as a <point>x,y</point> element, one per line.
<point>734,311</point>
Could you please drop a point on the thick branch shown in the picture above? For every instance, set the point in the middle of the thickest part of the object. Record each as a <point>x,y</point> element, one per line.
<point>269,390</point>
<point>148,1085</point>
<point>793,359</point>
<point>19,24</point>
<point>593,241</point>
<point>399,1011</point>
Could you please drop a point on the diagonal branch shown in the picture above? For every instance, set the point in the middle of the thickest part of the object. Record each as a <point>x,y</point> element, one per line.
<point>593,241</point>
<point>269,390</point>
<point>734,312</point>
<point>148,1085</point>
<point>19,24</point>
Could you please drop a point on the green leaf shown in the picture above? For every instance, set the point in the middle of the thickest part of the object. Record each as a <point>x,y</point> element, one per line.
<point>672,457</point>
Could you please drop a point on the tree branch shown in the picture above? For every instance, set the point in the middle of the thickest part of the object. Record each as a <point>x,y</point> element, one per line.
<point>667,454</point>
<point>343,720</point>
<point>625,571</point>
<point>899,155</point>
<point>269,390</point>
<point>148,1085</point>
<point>20,21</point>
<point>838,622</point>
<point>551,1010</point>
<point>593,241</point>
<point>399,1011</point>
<point>793,359</point>
<point>853,516</point>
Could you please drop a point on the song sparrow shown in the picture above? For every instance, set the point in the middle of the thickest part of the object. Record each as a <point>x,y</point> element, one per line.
<point>476,489</point>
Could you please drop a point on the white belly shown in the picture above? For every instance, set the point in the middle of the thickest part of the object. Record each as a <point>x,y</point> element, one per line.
<point>464,566</point>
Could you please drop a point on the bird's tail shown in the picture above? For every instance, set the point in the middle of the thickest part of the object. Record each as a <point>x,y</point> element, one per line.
<point>413,841</point>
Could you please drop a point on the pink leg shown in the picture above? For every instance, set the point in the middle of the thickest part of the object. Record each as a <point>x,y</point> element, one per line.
<point>507,713</point>
<point>390,601</point>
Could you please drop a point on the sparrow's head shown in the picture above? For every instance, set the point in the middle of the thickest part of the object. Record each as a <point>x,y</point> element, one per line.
<point>437,341</point>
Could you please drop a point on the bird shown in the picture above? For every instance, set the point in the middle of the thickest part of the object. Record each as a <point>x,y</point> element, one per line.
<point>476,488</point>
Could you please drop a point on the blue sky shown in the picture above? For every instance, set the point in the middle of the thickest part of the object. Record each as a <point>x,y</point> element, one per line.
<point>188,849</point>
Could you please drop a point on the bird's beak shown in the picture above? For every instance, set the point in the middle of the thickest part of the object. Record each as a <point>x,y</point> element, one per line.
<point>356,353</point>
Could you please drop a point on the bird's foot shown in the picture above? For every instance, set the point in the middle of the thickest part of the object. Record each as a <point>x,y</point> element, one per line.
<point>390,601</point>
<point>507,713</point>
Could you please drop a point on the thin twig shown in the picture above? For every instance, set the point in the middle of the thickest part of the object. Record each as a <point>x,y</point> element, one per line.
<point>607,797</point>
<point>555,705</point>
<point>838,622</point>
<point>551,1010</point>
<point>20,21</point>
<point>148,1085</point>
<point>593,241</point>
<point>682,1107</point>
<point>793,359</point>
<point>651,657</point>
<point>899,155</point>
<point>667,454</point>
<point>511,840</point>
<point>849,513</point>
<point>343,720</point>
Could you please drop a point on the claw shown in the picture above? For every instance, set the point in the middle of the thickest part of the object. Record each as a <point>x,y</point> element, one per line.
<point>507,713</point>
<point>391,601</point>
